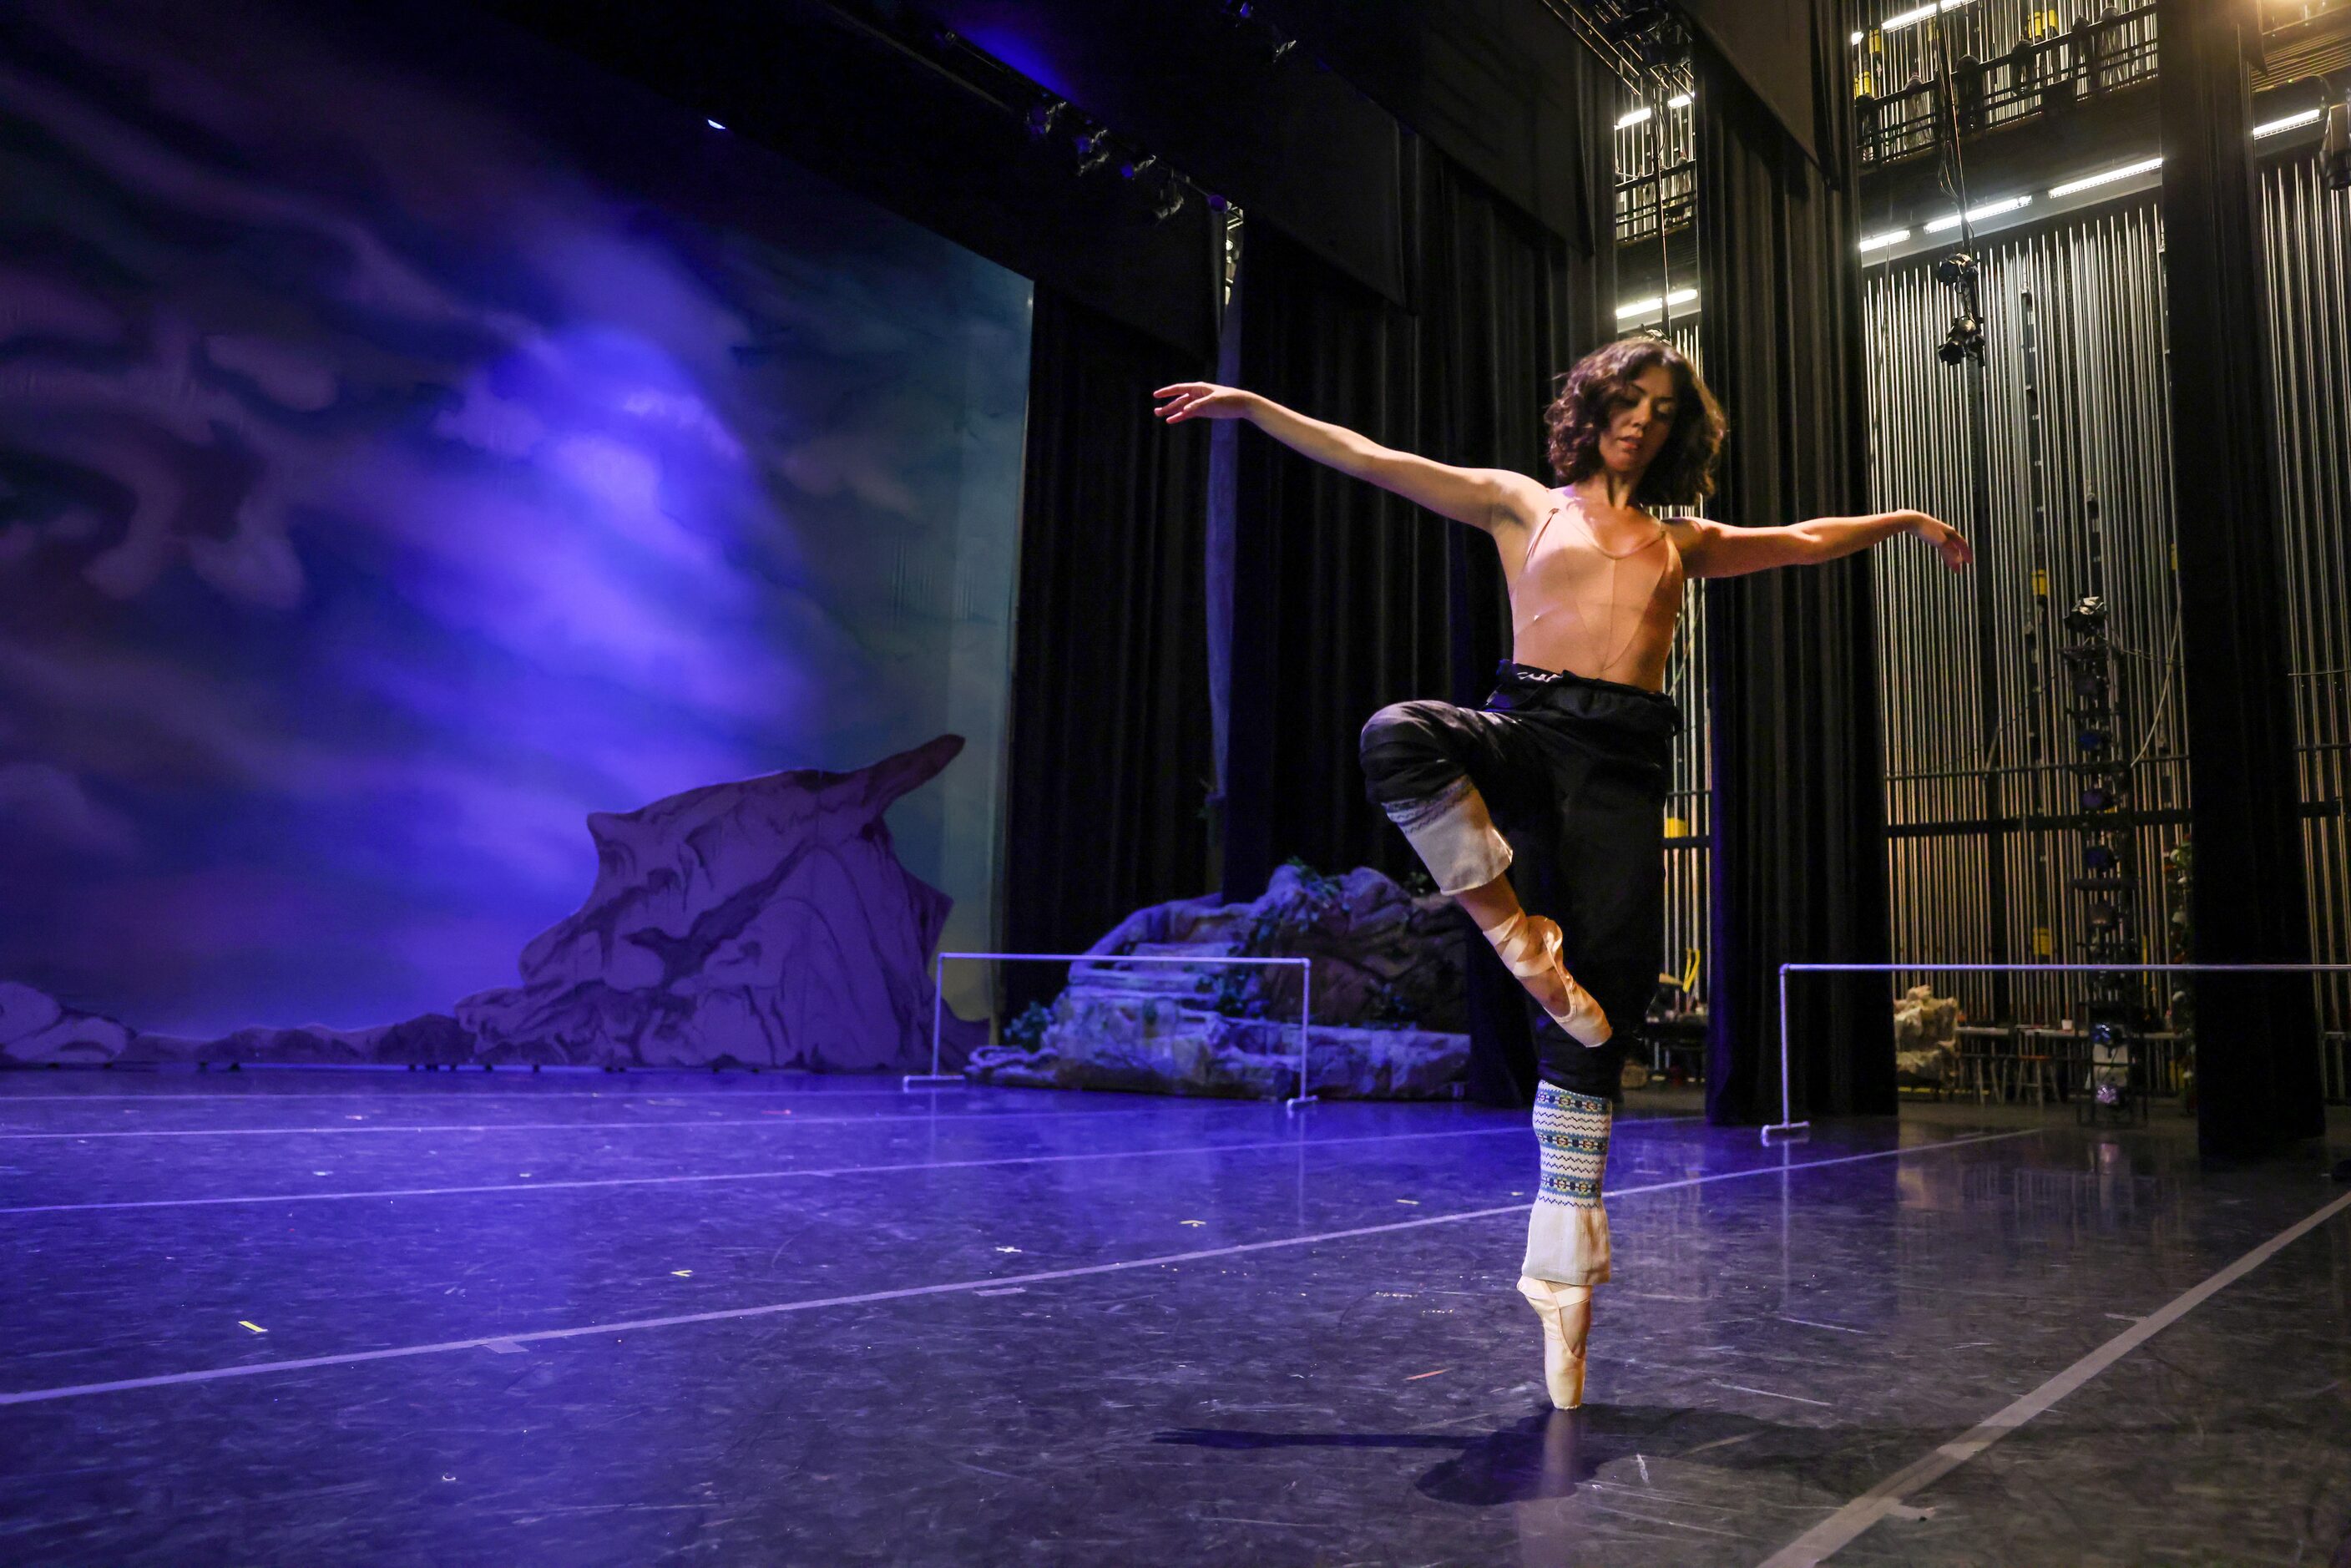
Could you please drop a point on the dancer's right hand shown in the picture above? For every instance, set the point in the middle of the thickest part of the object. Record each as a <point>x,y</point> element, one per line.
<point>1201,400</point>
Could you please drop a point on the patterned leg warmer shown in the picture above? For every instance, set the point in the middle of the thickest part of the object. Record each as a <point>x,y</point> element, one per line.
<point>1567,1235</point>
<point>1454,837</point>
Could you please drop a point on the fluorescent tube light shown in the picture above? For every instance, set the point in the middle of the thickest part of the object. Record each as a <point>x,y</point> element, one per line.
<point>2107,177</point>
<point>1679,100</point>
<point>1978,215</point>
<point>1879,242</point>
<point>2288,123</point>
<point>1911,18</point>
<point>1646,306</point>
<point>1628,121</point>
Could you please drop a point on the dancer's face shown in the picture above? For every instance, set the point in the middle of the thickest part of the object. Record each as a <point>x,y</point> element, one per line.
<point>1638,427</point>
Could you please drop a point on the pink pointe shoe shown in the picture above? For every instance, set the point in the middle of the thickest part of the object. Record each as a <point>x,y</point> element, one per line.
<point>1566,1314</point>
<point>1529,946</point>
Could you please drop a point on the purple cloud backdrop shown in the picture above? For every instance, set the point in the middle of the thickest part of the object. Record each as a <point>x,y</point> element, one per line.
<point>399,460</point>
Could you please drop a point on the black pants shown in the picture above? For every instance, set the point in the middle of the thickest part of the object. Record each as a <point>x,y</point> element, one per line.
<point>1574,773</point>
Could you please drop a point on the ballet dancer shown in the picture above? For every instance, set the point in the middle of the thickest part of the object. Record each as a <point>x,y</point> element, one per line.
<point>1543,812</point>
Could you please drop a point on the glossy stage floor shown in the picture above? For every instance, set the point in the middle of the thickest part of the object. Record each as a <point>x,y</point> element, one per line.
<point>339,1318</point>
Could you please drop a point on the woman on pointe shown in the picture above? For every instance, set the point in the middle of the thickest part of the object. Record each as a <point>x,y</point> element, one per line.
<point>1543,812</point>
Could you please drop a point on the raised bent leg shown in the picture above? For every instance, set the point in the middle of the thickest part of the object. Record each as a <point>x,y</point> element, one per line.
<point>1421,760</point>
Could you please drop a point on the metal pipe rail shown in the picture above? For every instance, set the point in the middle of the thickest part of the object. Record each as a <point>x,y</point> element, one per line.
<point>934,1078</point>
<point>1786,1123</point>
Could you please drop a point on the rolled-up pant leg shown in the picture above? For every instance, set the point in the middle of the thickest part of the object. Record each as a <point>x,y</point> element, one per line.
<point>1435,769</point>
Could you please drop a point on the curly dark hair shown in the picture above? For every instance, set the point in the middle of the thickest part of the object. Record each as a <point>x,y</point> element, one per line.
<point>1601,383</point>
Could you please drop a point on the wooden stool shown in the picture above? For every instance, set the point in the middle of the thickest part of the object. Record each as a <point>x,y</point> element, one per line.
<point>1979,1072</point>
<point>2032,1070</point>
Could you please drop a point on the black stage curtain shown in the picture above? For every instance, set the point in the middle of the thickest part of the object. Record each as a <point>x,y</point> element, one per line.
<point>1110,764</point>
<point>2257,1065</point>
<point>1346,598</point>
<point>1799,854</point>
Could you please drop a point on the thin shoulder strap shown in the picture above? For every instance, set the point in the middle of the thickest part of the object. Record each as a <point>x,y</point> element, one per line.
<point>1557,505</point>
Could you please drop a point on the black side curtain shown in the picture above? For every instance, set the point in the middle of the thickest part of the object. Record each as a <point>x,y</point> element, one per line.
<point>1110,767</point>
<point>1346,598</point>
<point>1799,853</point>
<point>2258,1078</point>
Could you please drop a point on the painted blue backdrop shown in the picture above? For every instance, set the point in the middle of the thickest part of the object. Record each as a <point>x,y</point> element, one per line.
<point>411,441</point>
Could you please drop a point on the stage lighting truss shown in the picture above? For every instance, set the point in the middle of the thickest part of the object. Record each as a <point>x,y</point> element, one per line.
<point>2117,1012</point>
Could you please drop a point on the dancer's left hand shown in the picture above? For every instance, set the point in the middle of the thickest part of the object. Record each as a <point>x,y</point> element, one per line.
<point>1957,553</point>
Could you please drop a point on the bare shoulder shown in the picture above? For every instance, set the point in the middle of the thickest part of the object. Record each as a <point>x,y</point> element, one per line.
<point>1691,534</point>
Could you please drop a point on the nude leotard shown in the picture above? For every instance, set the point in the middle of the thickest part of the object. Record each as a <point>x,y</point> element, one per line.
<point>1577,608</point>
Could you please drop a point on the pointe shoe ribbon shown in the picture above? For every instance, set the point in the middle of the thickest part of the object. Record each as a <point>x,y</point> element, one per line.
<point>1529,947</point>
<point>1566,1314</point>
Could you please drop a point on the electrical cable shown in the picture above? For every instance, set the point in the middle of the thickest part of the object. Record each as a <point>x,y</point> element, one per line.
<point>2171,663</point>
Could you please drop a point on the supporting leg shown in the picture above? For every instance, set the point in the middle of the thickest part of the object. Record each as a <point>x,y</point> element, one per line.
<point>1567,1234</point>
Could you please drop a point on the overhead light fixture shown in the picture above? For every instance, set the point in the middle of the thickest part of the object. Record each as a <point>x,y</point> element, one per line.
<point>2107,177</point>
<point>1978,215</point>
<point>1912,18</point>
<point>2291,122</point>
<point>1856,38</point>
<point>1044,116</point>
<point>1879,242</point>
<point>1168,200</point>
<point>1679,100</point>
<point>1646,306</point>
<point>1627,121</point>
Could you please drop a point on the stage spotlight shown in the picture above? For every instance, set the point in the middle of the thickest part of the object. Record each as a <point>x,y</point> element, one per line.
<point>1093,150</point>
<point>1956,270</point>
<point>2096,797</point>
<point>2088,614</point>
<point>1134,167</point>
<point>1276,43</point>
<point>1169,200</point>
<point>2334,148</point>
<point>2093,740</point>
<point>1045,118</point>
<point>2100,857</point>
<point>1964,341</point>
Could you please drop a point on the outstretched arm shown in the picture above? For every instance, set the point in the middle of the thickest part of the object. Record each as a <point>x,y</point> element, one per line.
<point>1712,549</point>
<point>1482,497</point>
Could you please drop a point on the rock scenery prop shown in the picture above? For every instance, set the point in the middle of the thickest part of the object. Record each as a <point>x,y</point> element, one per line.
<point>1387,999</point>
<point>1926,1037</point>
<point>765,923</point>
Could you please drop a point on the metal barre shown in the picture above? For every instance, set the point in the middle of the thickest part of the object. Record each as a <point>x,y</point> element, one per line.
<point>1786,1110</point>
<point>938,1001</point>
